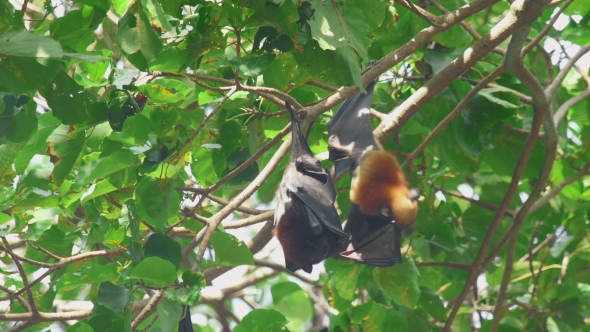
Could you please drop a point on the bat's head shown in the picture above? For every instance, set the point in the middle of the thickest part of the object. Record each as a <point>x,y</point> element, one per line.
<point>403,206</point>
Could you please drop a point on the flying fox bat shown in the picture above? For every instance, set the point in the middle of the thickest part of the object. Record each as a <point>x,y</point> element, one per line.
<point>382,204</point>
<point>306,221</point>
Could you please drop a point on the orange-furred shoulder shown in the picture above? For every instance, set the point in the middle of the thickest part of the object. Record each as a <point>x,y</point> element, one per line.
<point>380,183</point>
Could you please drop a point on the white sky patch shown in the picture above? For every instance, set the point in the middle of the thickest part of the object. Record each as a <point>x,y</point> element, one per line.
<point>440,196</point>
<point>466,190</point>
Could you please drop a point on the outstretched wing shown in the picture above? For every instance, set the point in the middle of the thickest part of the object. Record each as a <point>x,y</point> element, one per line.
<point>350,132</point>
<point>375,240</point>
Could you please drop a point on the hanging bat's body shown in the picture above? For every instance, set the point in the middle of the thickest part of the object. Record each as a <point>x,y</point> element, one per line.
<point>306,221</point>
<point>382,204</point>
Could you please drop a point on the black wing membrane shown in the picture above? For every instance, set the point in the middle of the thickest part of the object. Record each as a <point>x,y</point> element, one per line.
<point>350,132</point>
<point>185,324</point>
<point>307,223</point>
<point>375,241</point>
<point>311,183</point>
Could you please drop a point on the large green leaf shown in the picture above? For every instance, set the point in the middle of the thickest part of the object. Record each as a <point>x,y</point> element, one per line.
<point>399,283</point>
<point>339,25</point>
<point>68,100</point>
<point>260,320</point>
<point>154,271</point>
<point>27,60</point>
<point>157,201</point>
<point>136,37</point>
<point>230,251</point>
<point>159,245</point>
<point>65,145</point>
<point>114,297</point>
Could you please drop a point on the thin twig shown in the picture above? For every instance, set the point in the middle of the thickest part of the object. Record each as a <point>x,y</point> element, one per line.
<point>446,264</point>
<point>151,306</point>
<point>23,275</point>
<point>268,215</point>
<point>484,205</point>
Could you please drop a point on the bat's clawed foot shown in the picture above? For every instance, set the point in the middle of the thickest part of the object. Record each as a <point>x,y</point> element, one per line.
<point>302,114</point>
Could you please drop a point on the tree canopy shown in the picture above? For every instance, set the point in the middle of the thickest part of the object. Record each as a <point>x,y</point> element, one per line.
<point>142,142</point>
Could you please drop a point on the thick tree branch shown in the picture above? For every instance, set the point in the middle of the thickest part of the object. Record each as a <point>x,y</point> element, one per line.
<point>524,11</point>
<point>521,12</point>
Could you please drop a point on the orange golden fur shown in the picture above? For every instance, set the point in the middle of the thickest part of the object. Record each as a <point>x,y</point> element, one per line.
<point>380,183</point>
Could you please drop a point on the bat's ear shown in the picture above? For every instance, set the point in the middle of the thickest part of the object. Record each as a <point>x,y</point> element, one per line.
<point>415,194</point>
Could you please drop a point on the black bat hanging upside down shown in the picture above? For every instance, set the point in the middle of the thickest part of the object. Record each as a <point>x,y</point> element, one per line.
<point>382,205</point>
<point>307,223</point>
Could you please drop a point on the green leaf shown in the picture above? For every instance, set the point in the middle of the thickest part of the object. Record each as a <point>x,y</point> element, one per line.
<point>135,131</point>
<point>345,279</point>
<point>104,319</point>
<point>157,201</point>
<point>68,100</point>
<point>252,64</point>
<point>370,315</point>
<point>283,17</point>
<point>170,313</point>
<point>340,25</point>
<point>155,271</point>
<point>284,73</point>
<point>27,60</point>
<point>47,123</point>
<point>262,320</point>
<point>230,251</point>
<point>136,38</point>
<point>282,290</point>
<point>163,246</point>
<point>337,68</point>
<point>160,94</point>
<point>23,125</point>
<point>102,4</point>
<point>191,292</point>
<point>65,145</point>
<point>111,164</point>
<point>171,59</point>
<point>488,93</point>
<point>114,297</point>
<point>91,74</point>
<point>76,27</point>
<point>433,304</point>
<point>101,188</point>
<point>80,327</point>
<point>121,106</point>
<point>399,283</point>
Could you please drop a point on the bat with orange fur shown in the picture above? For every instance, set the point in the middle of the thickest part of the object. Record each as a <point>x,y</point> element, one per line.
<point>306,221</point>
<point>382,204</point>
